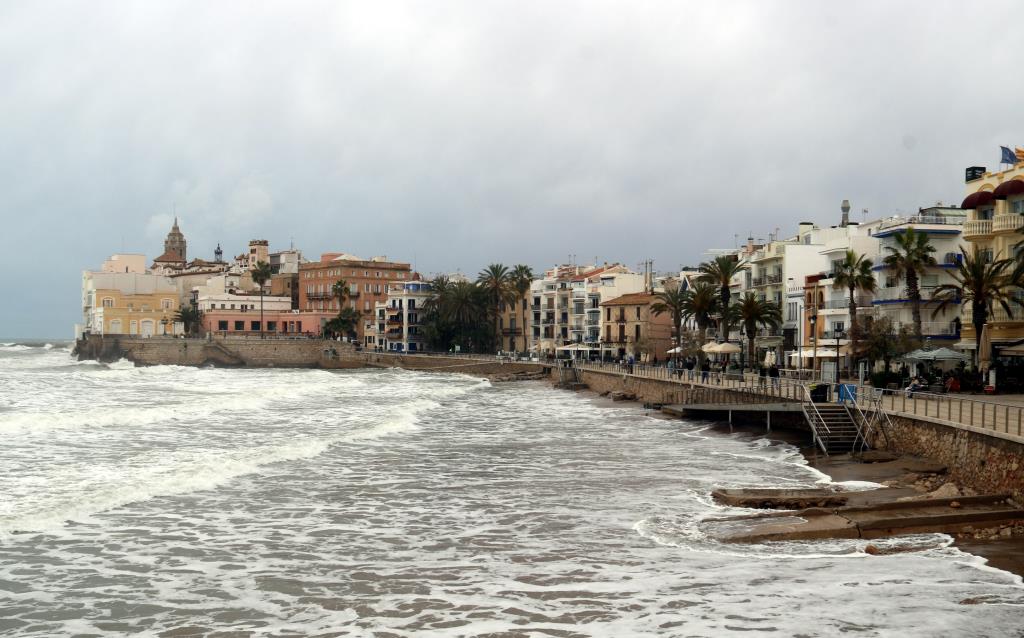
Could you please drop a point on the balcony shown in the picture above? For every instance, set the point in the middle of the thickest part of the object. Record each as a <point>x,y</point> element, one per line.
<point>898,294</point>
<point>977,229</point>
<point>320,295</point>
<point>511,332</point>
<point>773,279</point>
<point>1007,223</point>
<point>929,328</point>
<point>844,304</point>
<point>757,281</point>
<point>920,220</point>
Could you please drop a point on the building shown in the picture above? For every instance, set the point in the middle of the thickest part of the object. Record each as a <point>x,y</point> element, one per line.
<point>995,217</point>
<point>397,322</point>
<point>629,327</point>
<point>238,313</point>
<point>943,226</point>
<point>566,303</point>
<point>368,280</point>
<point>122,298</point>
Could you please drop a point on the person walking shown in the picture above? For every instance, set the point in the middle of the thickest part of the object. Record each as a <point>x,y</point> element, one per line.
<point>705,371</point>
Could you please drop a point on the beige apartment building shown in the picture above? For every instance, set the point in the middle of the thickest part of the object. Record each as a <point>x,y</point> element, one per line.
<point>629,327</point>
<point>995,217</point>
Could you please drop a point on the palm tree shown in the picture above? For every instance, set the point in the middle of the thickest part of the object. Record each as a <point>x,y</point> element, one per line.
<point>496,282</point>
<point>345,323</point>
<point>522,279</point>
<point>720,272</point>
<point>702,301</point>
<point>673,299</point>
<point>261,275</point>
<point>908,259</point>
<point>191,317</point>
<point>982,282</point>
<point>340,292</point>
<point>466,307</point>
<point>854,273</point>
<point>753,312</point>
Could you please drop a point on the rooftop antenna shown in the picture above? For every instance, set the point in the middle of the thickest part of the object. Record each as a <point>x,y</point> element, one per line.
<point>864,214</point>
<point>735,240</point>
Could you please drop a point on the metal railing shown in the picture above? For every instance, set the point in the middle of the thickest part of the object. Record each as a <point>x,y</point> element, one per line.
<point>815,420</point>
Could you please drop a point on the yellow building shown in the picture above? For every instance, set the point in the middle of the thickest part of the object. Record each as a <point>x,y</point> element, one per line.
<point>129,302</point>
<point>995,209</point>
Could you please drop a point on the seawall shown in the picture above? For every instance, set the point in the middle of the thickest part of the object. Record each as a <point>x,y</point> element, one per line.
<point>984,460</point>
<point>259,353</point>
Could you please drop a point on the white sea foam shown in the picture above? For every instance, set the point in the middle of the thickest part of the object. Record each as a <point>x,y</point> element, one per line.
<point>406,503</point>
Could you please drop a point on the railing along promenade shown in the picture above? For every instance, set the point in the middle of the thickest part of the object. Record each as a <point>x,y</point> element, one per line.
<point>956,410</point>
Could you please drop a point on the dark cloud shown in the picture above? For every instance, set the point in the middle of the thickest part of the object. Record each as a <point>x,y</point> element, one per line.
<point>465,133</point>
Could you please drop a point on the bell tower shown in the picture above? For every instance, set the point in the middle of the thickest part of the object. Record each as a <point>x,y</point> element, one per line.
<point>175,243</point>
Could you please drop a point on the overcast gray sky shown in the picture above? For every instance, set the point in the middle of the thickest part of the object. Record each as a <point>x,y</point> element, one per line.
<point>463,133</point>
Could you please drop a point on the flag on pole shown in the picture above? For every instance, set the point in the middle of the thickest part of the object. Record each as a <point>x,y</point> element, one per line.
<point>1019,152</point>
<point>1008,156</point>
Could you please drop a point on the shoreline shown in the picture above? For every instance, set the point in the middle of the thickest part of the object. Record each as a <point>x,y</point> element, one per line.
<point>1005,554</point>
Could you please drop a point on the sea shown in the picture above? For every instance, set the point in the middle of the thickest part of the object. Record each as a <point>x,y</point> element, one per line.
<point>174,501</point>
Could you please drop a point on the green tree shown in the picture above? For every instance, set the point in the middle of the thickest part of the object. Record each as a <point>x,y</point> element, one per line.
<point>522,279</point>
<point>340,292</point>
<point>345,323</point>
<point>191,317</point>
<point>720,272</point>
<point>496,282</point>
<point>672,300</point>
<point>854,274</point>
<point>753,312</point>
<point>908,259</point>
<point>261,275</point>
<point>702,302</point>
<point>983,283</point>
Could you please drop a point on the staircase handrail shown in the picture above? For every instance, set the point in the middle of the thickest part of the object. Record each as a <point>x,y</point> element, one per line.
<point>814,423</point>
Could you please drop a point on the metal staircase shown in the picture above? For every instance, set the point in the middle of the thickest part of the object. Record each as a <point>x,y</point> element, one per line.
<point>835,429</point>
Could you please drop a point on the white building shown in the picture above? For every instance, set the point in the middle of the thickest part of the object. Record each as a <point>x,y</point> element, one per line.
<point>398,322</point>
<point>943,226</point>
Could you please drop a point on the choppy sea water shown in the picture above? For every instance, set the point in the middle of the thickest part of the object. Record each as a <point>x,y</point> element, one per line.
<point>180,501</point>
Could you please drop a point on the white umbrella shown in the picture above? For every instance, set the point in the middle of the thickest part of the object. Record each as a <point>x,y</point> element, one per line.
<point>726,348</point>
<point>676,350</point>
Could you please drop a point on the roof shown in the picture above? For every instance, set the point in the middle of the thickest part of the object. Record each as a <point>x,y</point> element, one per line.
<point>169,257</point>
<point>632,299</point>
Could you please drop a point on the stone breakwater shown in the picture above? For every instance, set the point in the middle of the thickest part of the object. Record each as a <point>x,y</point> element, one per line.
<point>291,353</point>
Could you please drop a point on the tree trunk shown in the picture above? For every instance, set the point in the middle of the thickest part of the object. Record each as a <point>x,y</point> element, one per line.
<point>677,319</point>
<point>703,336</point>
<point>914,292</point>
<point>978,318</point>
<point>261,311</point>
<point>725,312</point>
<point>853,332</point>
<point>526,348</point>
<point>751,328</point>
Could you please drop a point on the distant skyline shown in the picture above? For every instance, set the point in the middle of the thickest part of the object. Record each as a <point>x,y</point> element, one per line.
<point>456,134</point>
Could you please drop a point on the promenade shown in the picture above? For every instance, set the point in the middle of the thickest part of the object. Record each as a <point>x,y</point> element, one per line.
<point>999,415</point>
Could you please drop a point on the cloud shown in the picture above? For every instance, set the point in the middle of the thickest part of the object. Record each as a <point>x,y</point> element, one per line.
<point>465,133</point>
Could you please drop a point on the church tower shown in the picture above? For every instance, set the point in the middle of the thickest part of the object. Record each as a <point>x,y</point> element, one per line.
<point>175,243</point>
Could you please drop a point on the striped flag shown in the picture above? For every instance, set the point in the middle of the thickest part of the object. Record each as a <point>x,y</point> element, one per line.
<point>1019,152</point>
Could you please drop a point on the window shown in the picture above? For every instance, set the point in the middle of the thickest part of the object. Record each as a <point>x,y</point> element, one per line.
<point>638,314</point>
<point>222,325</point>
<point>366,287</point>
<point>108,302</point>
<point>412,304</point>
<point>254,325</point>
<point>239,325</point>
<point>1017,207</point>
<point>636,332</point>
<point>985,213</point>
<point>986,255</point>
<point>272,326</point>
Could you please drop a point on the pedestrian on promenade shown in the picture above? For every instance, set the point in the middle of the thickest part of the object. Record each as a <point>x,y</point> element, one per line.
<point>762,376</point>
<point>691,363</point>
<point>773,372</point>
<point>705,371</point>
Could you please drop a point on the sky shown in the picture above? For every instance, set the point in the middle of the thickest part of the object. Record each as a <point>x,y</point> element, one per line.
<point>457,134</point>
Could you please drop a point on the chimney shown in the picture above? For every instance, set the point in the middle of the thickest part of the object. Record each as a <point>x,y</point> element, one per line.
<point>846,213</point>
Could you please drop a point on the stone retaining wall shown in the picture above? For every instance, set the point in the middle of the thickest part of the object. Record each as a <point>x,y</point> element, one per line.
<point>476,367</point>
<point>259,353</point>
<point>983,462</point>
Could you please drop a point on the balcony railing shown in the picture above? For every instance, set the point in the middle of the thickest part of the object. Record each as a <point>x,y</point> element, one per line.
<point>843,304</point>
<point>929,328</point>
<point>978,228</point>
<point>938,220</point>
<point>774,279</point>
<point>1007,223</point>
<point>320,295</point>
<point>897,293</point>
